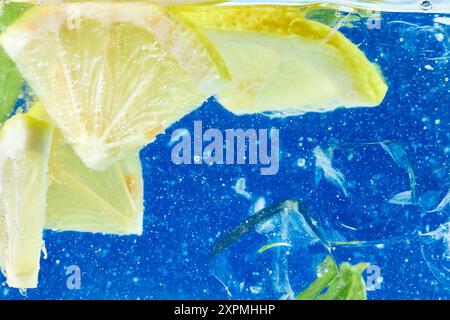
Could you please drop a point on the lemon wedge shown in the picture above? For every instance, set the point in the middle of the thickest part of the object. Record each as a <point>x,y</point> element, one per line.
<point>282,62</point>
<point>86,200</point>
<point>24,150</point>
<point>113,75</point>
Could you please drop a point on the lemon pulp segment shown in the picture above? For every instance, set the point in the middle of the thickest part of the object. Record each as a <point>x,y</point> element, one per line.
<point>281,61</point>
<point>86,200</point>
<point>24,150</point>
<point>113,75</point>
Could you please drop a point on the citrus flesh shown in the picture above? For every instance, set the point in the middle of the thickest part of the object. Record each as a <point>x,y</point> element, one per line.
<point>86,200</point>
<point>280,61</point>
<point>113,75</point>
<point>24,150</point>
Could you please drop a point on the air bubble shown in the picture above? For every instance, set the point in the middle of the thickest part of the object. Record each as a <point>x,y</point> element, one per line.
<point>255,289</point>
<point>301,162</point>
<point>197,159</point>
<point>439,37</point>
<point>426,5</point>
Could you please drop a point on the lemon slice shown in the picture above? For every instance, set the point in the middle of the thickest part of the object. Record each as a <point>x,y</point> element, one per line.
<point>280,61</point>
<point>86,200</point>
<point>24,150</point>
<point>113,75</point>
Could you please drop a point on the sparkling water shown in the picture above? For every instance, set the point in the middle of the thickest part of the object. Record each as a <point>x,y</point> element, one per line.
<point>375,182</point>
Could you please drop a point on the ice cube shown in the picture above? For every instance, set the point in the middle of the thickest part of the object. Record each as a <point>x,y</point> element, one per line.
<point>372,191</point>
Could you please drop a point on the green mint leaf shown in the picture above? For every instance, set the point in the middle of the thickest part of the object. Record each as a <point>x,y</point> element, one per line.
<point>334,284</point>
<point>11,80</point>
<point>326,273</point>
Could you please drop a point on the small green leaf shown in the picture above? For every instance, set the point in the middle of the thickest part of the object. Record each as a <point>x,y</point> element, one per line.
<point>11,80</point>
<point>273,245</point>
<point>326,273</point>
<point>333,284</point>
<point>11,11</point>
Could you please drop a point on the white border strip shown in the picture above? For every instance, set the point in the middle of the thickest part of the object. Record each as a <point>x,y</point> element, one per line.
<point>438,7</point>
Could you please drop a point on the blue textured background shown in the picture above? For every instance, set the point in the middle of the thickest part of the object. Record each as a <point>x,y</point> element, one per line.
<point>186,206</point>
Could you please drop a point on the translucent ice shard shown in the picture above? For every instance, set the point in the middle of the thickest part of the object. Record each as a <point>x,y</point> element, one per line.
<point>375,195</point>
<point>240,188</point>
<point>436,251</point>
<point>324,165</point>
<point>402,198</point>
<point>443,204</point>
<point>254,262</point>
<point>398,153</point>
<point>435,240</point>
<point>261,216</point>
